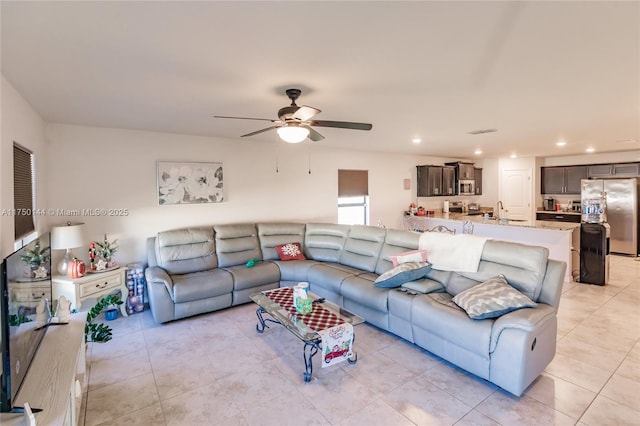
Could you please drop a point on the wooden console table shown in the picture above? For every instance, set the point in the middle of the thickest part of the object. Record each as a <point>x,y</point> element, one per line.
<point>56,378</point>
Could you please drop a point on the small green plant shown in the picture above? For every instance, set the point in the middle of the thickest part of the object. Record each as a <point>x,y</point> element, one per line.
<point>99,332</point>
<point>17,319</point>
<point>106,249</point>
<point>36,256</point>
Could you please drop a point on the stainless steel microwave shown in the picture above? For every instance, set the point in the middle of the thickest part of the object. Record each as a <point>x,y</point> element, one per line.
<point>466,187</point>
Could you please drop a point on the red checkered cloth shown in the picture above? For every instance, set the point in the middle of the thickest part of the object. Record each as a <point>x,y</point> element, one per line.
<point>318,319</point>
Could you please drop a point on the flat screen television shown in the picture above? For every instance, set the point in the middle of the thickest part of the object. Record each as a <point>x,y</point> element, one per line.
<point>25,294</point>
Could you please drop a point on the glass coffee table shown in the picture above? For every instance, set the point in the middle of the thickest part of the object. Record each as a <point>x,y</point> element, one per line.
<point>278,305</point>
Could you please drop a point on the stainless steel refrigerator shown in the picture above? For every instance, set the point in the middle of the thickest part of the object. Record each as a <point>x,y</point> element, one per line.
<point>622,206</point>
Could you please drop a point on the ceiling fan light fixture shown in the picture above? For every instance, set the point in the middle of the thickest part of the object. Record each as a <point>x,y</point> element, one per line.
<point>292,133</point>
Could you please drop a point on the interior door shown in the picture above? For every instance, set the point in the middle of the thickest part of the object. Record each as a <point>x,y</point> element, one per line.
<point>515,194</point>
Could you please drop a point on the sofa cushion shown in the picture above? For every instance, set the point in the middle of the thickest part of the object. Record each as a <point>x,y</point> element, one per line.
<point>359,289</point>
<point>324,241</point>
<point>275,234</point>
<point>450,327</point>
<point>201,285</point>
<point>523,266</point>
<point>290,251</point>
<point>402,273</point>
<point>329,275</point>
<point>182,251</point>
<point>409,256</point>
<point>396,241</point>
<point>424,286</point>
<point>236,244</point>
<point>260,274</point>
<point>294,270</point>
<point>362,248</point>
<point>492,299</point>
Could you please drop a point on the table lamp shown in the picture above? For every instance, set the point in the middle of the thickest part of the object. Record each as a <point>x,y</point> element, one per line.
<point>66,237</point>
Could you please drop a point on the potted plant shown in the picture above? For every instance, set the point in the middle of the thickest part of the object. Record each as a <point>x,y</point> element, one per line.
<point>36,258</point>
<point>106,249</point>
<point>100,332</point>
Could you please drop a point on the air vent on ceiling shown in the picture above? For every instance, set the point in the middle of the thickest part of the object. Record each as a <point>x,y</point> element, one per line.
<point>481,131</point>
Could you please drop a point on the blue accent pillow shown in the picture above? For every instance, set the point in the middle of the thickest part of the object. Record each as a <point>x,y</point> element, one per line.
<point>402,273</point>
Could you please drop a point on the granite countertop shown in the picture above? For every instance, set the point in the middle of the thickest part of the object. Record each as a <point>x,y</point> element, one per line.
<point>562,226</point>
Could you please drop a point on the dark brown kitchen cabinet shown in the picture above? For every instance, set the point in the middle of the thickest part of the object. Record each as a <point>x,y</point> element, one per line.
<point>448,180</point>
<point>562,180</point>
<point>614,170</point>
<point>434,181</point>
<point>558,217</point>
<point>477,173</point>
<point>429,181</point>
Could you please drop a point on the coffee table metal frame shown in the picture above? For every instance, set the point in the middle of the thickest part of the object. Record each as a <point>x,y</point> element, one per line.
<point>311,339</point>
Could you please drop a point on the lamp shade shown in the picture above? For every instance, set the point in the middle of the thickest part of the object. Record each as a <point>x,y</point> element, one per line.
<point>67,236</point>
<point>293,133</point>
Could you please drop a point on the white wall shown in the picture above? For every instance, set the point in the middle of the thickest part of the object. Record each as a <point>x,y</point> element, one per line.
<point>22,124</point>
<point>93,168</point>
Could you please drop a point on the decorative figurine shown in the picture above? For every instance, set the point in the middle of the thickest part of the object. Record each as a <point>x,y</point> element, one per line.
<point>101,265</point>
<point>41,272</point>
<point>64,309</point>
<point>92,256</point>
<point>43,313</point>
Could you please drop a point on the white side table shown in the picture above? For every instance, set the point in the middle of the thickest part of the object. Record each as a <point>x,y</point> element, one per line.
<point>92,285</point>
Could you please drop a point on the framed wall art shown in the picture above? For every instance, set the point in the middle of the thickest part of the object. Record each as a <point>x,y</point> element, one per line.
<point>189,183</point>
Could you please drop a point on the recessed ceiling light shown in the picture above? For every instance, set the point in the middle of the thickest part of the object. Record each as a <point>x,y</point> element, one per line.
<point>590,149</point>
<point>477,152</point>
<point>561,143</point>
<point>416,140</point>
<point>482,131</point>
<point>513,155</point>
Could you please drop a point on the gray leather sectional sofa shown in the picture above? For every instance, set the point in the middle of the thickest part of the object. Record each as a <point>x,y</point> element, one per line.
<point>197,270</point>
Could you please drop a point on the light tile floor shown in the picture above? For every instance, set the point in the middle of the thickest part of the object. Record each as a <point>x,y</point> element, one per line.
<point>215,369</point>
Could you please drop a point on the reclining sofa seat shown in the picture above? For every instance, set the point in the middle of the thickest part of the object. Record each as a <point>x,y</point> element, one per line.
<point>183,277</point>
<point>342,262</point>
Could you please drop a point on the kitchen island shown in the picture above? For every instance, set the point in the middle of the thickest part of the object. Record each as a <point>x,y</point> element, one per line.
<point>557,237</point>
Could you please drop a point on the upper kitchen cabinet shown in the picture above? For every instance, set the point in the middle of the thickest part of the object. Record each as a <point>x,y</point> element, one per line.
<point>614,170</point>
<point>465,170</point>
<point>435,181</point>
<point>478,178</point>
<point>448,180</point>
<point>562,180</point>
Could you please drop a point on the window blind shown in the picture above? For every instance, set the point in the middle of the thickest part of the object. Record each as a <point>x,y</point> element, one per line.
<point>353,183</point>
<point>23,191</point>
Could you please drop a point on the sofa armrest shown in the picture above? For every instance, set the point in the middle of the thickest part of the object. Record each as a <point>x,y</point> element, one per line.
<point>526,320</point>
<point>157,275</point>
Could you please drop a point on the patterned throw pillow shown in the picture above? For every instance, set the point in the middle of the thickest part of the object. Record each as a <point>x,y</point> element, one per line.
<point>491,299</point>
<point>402,274</point>
<point>290,251</point>
<point>409,256</point>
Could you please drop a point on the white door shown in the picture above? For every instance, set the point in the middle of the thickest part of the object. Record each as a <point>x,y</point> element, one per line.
<point>515,194</point>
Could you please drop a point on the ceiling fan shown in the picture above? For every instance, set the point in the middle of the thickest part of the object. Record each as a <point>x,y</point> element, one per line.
<point>295,122</point>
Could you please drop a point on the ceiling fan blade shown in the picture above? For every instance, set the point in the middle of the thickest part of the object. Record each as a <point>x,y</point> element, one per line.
<point>246,118</point>
<point>341,124</point>
<point>313,134</point>
<point>305,113</point>
<point>260,131</point>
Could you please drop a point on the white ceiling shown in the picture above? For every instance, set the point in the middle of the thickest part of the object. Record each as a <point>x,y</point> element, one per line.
<point>536,71</point>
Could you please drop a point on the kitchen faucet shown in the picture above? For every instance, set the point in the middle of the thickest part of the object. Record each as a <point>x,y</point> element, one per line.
<point>500,208</point>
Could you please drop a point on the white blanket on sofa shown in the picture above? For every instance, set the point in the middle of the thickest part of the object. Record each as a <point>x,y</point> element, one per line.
<point>446,252</point>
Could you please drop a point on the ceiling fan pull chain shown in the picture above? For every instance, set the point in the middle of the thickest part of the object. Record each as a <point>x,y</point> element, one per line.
<point>309,154</point>
<point>277,165</point>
